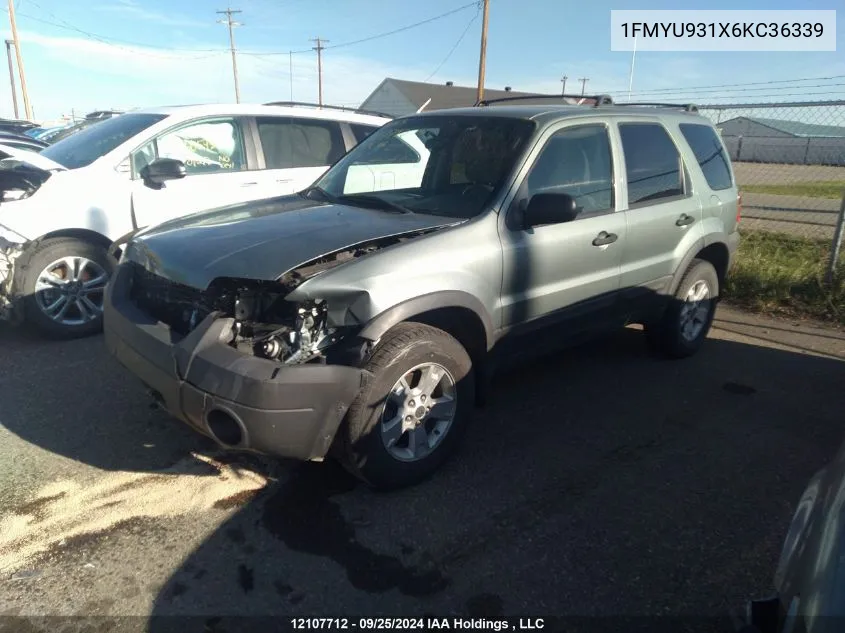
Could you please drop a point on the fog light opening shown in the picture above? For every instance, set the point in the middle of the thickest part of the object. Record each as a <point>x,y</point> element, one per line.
<point>224,427</point>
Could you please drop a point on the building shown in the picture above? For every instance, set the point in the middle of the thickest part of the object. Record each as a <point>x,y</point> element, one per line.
<point>764,140</point>
<point>398,97</point>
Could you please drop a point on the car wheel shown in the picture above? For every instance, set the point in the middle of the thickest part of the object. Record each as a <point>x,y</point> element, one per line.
<point>412,414</point>
<point>687,320</point>
<point>64,287</point>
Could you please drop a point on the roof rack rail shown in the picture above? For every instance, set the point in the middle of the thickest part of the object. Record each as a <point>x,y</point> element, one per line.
<point>328,107</point>
<point>688,107</point>
<point>600,100</point>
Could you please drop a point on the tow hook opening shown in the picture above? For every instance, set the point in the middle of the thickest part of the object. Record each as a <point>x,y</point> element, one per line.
<point>224,427</point>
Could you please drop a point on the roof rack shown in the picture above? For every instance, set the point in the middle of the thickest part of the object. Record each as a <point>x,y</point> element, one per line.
<point>600,100</point>
<point>328,107</point>
<point>688,107</point>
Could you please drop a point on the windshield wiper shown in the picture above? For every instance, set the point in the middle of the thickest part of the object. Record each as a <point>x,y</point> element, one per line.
<point>381,203</point>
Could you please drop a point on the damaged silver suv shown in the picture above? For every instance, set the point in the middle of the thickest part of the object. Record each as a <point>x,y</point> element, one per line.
<point>364,316</point>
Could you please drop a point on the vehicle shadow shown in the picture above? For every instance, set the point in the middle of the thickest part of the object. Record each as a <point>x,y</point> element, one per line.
<point>73,399</point>
<point>599,481</point>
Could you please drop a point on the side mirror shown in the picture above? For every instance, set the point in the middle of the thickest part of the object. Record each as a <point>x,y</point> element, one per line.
<point>160,170</point>
<point>550,208</point>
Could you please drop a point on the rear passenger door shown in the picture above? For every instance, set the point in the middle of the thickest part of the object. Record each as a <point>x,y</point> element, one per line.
<point>296,151</point>
<point>660,208</point>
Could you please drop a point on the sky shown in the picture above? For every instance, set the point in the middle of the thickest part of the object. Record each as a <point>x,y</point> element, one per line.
<point>136,53</point>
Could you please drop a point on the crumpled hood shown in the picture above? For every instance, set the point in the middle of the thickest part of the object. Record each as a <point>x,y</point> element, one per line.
<point>263,240</point>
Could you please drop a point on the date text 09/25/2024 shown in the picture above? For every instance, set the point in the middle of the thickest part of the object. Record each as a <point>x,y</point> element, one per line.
<point>417,624</point>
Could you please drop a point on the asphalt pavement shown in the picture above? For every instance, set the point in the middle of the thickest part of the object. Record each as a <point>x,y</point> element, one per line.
<point>597,482</point>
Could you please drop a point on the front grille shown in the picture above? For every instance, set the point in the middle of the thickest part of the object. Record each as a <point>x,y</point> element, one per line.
<point>177,305</point>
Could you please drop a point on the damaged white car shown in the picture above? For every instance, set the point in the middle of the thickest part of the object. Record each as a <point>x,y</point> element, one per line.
<point>62,210</point>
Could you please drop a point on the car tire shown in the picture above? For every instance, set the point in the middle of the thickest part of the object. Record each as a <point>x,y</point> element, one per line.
<point>49,276</point>
<point>405,352</point>
<point>686,321</point>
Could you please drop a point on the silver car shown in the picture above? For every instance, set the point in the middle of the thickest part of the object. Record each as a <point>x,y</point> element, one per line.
<point>365,321</point>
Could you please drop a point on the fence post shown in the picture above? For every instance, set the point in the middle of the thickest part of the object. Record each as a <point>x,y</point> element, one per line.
<point>837,243</point>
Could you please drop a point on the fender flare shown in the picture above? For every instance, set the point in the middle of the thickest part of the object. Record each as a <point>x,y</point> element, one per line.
<point>377,326</point>
<point>697,247</point>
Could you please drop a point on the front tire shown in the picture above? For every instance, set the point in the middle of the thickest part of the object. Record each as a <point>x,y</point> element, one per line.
<point>64,287</point>
<point>686,322</point>
<point>411,416</point>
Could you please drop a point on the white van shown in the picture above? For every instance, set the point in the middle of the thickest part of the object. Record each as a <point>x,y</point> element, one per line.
<point>61,209</point>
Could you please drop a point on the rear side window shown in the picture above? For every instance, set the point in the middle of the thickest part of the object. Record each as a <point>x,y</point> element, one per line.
<point>710,154</point>
<point>652,163</point>
<point>361,131</point>
<point>289,143</point>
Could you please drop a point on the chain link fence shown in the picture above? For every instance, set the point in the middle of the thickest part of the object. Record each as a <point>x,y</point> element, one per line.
<point>789,160</point>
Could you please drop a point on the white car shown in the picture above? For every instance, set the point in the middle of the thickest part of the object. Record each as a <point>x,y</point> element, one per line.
<point>64,207</point>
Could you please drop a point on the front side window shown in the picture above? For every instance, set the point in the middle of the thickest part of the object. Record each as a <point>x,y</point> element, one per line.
<point>652,163</point>
<point>460,163</point>
<point>99,138</point>
<point>710,154</point>
<point>205,147</point>
<point>576,161</point>
<point>291,143</point>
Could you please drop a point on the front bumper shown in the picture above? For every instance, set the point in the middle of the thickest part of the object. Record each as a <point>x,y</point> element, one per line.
<point>281,410</point>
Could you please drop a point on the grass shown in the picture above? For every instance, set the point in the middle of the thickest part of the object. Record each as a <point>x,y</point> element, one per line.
<point>779,273</point>
<point>822,189</point>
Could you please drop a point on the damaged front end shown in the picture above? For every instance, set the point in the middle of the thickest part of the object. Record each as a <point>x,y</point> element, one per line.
<point>266,323</point>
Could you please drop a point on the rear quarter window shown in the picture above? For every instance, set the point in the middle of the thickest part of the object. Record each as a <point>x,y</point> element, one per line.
<point>710,154</point>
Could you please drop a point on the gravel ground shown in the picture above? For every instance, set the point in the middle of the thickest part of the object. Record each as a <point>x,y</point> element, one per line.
<point>599,481</point>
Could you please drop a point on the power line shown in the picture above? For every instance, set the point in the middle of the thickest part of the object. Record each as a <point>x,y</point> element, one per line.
<point>367,39</point>
<point>743,84</point>
<point>742,90</point>
<point>123,43</point>
<point>231,24</point>
<point>454,47</point>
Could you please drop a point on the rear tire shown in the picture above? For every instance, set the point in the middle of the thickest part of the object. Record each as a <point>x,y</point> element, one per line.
<point>64,287</point>
<point>686,321</point>
<point>371,447</point>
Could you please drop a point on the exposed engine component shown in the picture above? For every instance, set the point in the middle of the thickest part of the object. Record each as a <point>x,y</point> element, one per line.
<point>300,342</point>
<point>272,348</point>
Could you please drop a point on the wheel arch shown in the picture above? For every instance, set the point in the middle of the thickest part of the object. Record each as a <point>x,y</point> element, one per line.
<point>713,250</point>
<point>86,235</point>
<point>458,313</point>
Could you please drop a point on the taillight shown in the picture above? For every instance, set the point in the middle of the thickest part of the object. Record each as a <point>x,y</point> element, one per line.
<point>738,207</point>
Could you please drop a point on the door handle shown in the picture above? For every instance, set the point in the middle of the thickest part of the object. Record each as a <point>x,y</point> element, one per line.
<point>248,184</point>
<point>284,180</point>
<point>604,238</point>
<point>684,220</point>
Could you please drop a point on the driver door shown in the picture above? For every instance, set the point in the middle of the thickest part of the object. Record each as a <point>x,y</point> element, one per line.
<point>215,158</point>
<point>564,272</point>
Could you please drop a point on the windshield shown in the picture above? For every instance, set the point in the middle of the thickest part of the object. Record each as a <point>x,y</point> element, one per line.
<point>447,165</point>
<point>98,139</point>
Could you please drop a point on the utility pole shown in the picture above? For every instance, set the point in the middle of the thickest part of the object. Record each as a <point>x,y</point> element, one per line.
<point>290,72</point>
<point>21,73</point>
<point>583,81</point>
<point>482,59</point>
<point>12,77</point>
<point>231,23</point>
<point>563,81</point>
<point>319,48</point>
